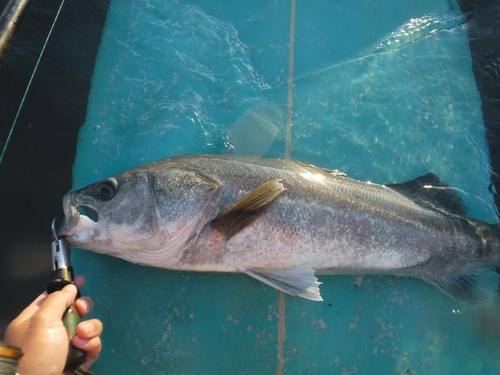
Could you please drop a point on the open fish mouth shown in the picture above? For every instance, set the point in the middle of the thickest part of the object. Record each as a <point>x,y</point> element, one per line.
<point>89,211</point>
<point>78,216</point>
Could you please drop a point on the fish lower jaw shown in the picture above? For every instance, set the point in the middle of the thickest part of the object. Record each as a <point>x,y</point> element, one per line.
<point>83,225</point>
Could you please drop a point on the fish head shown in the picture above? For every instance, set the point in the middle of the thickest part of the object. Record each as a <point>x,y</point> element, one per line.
<point>152,207</point>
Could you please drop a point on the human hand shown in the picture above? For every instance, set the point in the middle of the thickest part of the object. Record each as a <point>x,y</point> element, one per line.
<point>40,333</point>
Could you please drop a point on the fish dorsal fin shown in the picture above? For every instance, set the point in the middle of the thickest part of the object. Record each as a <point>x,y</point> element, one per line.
<point>431,191</point>
<point>297,281</point>
<point>248,208</point>
<point>329,172</point>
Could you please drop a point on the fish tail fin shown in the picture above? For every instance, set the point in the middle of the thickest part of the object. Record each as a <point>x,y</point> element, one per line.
<point>488,252</point>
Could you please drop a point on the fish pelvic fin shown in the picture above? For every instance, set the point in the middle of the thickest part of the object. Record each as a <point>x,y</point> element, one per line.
<point>430,191</point>
<point>477,286</point>
<point>297,281</point>
<point>248,208</point>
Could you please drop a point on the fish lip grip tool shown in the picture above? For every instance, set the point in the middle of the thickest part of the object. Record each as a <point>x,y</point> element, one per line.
<point>62,275</point>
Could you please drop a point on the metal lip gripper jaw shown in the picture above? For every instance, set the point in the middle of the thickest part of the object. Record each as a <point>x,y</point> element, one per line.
<point>60,249</point>
<point>62,272</point>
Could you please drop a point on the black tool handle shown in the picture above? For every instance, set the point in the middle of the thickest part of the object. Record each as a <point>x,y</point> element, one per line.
<point>58,280</point>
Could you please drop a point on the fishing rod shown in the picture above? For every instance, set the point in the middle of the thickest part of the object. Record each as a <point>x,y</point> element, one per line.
<point>9,21</point>
<point>62,272</point>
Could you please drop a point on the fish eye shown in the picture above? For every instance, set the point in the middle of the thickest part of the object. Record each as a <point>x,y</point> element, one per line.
<point>107,189</point>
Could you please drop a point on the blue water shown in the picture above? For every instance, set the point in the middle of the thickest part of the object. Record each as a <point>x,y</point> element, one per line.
<point>383,90</point>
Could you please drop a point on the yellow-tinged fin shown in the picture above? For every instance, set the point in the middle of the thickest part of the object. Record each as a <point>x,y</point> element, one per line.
<point>248,208</point>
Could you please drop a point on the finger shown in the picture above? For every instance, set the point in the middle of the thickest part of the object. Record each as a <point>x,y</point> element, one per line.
<point>84,306</point>
<point>33,307</point>
<point>92,348</point>
<point>79,281</point>
<point>56,303</point>
<point>89,329</point>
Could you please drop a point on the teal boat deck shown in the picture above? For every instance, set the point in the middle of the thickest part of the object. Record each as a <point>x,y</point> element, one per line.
<point>382,90</point>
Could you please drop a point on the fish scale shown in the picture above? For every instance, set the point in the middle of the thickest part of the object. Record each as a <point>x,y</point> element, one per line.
<point>281,221</point>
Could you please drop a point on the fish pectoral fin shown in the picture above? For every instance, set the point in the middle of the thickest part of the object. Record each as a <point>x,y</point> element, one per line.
<point>297,281</point>
<point>476,286</point>
<point>248,208</point>
<point>430,191</point>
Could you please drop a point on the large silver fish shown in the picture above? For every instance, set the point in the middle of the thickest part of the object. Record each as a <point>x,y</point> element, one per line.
<point>281,222</point>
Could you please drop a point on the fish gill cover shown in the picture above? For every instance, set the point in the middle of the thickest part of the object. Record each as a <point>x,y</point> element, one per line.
<point>199,77</point>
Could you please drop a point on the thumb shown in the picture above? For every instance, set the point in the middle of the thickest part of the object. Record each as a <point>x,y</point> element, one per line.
<point>33,307</point>
<point>56,303</point>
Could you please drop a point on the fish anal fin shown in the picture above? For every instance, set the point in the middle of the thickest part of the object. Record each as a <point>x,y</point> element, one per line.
<point>476,286</point>
<point>248,208</point>
<point>297,281</point>
<point>430,191</point>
